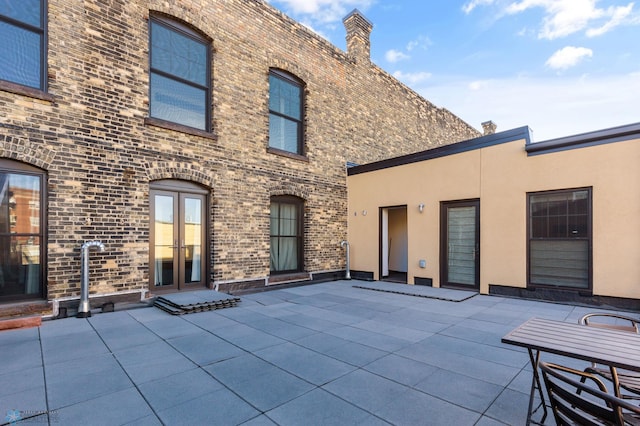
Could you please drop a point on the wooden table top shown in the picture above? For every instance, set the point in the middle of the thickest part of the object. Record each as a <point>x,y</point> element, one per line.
<point>615,348</point>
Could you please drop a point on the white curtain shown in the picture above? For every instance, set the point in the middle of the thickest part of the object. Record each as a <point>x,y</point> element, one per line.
<point>195,265</point>
<point>284,238</point>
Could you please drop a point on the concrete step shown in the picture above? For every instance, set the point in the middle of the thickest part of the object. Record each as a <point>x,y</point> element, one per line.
<point>24,314</point>
<point>20,322</point>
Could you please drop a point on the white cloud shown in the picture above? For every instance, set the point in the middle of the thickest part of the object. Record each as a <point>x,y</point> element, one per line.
<point>553,108</point>
<point>568,57</point>
<point>412,79</point>
<point>323,11</point>
<point>478,85</point>
<point>619,16</point>
<point>394,56</point>
<point>565,17</point>
<point>422,42</point>
<point>468,7</point>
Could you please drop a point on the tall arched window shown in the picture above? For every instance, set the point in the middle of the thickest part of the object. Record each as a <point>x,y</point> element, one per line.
<point>285,112</point>
<point>179,87</point>
<point>22,243</point>
<point>287,242</point>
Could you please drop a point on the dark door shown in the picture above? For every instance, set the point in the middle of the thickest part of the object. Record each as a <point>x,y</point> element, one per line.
<point>460,244</point>
<point>178,238</point>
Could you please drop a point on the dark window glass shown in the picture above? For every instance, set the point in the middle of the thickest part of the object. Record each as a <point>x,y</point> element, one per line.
<point>21,235</point>
<point>179,83</point>
<point>286,234</point>
<point>285,113</point>
<point>560,238</point>
<point>22,50</point>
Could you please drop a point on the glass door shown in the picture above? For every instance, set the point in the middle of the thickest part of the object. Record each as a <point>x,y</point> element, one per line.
<point>191,238</point>
<point>460,244</point>
<point>177,240</point>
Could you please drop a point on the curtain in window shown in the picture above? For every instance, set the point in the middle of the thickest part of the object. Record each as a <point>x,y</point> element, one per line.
<point>560,263</point>
<point>461,238</point>
<point>284,237</point>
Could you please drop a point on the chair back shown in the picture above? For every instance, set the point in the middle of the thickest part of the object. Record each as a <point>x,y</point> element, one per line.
<point>574,402</point>
<point>611,321</point>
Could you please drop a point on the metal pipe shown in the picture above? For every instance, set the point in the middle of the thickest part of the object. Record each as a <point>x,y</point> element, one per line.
<point>347,274</point>
<point>83,309</point>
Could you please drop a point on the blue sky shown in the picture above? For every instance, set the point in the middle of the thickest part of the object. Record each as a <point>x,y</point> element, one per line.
<point>562,67</point>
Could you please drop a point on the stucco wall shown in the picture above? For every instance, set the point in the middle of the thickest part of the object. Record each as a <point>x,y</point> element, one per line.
<point>500,176</point>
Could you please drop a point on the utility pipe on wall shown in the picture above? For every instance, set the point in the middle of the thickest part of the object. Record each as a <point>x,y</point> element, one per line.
<point>347,274</point>
<point>83,309</point>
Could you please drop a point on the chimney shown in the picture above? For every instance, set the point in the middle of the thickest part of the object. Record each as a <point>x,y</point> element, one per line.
<point>358,31</point>
<point>489,127</point>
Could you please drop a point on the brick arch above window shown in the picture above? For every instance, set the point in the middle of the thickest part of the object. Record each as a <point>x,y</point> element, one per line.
<point>290,189</point>
<point>197,21</point>
<point>291,68</point>
<point>179,171</point>
<point>178,15</point>
<point>27,152</point>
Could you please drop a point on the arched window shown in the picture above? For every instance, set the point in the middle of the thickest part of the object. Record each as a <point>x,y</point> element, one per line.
<point>286,112</point>
<point>180,74</point>
<point>287,242</point>
<point>22,243</point>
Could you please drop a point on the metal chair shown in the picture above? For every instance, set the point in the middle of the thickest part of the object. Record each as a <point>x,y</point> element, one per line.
<point>628,380</point>
<point>575,403</point>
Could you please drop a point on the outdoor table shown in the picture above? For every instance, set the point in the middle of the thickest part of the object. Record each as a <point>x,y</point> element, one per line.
<point>617,349</point>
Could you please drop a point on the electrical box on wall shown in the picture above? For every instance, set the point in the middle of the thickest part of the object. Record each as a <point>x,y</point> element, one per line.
<point>422,263</point>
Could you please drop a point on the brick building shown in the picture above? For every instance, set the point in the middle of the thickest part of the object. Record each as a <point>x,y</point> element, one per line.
<point>203,142</point>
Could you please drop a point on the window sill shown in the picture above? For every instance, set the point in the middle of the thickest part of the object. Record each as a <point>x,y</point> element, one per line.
<point>19,89</point>
<point>163,124</point>
<point>287,154</point>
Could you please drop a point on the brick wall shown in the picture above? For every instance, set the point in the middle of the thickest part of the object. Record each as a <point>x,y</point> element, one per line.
<point>90,136</point>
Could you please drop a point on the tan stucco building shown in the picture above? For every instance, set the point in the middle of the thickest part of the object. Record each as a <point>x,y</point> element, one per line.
<point>557,220</point>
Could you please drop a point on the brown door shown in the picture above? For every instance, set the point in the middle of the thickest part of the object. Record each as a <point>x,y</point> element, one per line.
<point>460,244</point>
<point>178,235</point>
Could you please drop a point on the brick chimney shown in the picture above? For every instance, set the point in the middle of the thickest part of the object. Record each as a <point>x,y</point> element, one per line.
<point>358,31</point>
<point>489,127</point>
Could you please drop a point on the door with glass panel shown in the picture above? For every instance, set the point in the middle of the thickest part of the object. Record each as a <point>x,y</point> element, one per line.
<point>460,244</point>
<point>178,236</point>
<point>21,232</point>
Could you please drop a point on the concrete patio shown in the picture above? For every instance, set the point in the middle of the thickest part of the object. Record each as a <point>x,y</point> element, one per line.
<point>325,354</point>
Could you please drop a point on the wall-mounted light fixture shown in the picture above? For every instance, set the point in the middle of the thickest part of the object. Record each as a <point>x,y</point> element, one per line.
<point>364,212</point>
<point>420,207</point>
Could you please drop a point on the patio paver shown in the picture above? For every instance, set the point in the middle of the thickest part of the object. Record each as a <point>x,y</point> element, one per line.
<point>318,354</point>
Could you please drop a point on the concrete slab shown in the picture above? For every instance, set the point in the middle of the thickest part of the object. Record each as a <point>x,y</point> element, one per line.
<point>320,354</point>
<point>220,407</point>
<point>319,408</point>
<point>261,384</point>
<point>304,363</point>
